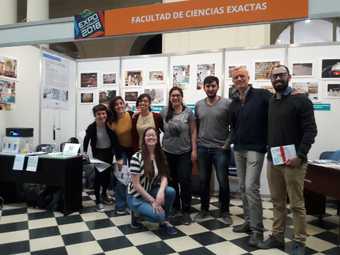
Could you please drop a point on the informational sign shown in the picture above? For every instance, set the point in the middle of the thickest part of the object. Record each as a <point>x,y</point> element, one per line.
<point>55,82</point>
<point>321,107</point>
<point>200,14</point>
<point>88,25</point>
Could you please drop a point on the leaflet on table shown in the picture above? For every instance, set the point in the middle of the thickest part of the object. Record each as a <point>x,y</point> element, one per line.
<point>19,161</point>
<point>281,154</point>
<point>32,163</point>
<point>99,164</point>
<point>71,149</point>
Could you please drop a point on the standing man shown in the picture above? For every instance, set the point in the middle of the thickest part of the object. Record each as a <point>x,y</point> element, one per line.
<point>212,114</point>
<point>248,117</point>
<point>290,122</point>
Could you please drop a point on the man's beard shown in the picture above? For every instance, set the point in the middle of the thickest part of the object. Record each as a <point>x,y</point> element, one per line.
<point>282,87</point>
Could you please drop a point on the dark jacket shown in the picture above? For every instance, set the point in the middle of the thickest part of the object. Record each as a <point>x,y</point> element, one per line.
<point>291,121</point>
<point>91,137</point>
<point>249,120</point>
<point>135,137</point>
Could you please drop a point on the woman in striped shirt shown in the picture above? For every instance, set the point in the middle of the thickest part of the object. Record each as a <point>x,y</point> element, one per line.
<point>149,194</point>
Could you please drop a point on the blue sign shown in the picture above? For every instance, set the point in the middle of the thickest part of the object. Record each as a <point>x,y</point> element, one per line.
<point>322,107</point>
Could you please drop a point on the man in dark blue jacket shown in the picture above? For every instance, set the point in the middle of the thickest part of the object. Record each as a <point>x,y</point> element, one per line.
<point>248,118</point>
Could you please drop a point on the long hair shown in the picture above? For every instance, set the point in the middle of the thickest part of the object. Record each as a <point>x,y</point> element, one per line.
<point>161,161</point>
<point>171,110</point>
<point>113,116</point>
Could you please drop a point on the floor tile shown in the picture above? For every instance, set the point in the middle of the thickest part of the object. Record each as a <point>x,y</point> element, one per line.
<point>14,248</point>
<point>88,248</point>
<point>269,252</point>
<point>17,226</point>
<point>207,238</point>
<point>143,238</point>
<point>158,248</point>
<point>228,234</point>
<point>104,223</point>
<point>80,237</point>
<point>73,228</point>
<point>44,232</point>
<point>69,219</point>
<point>13,218</point>
<point>226,248</point>
<point>243,243</point>
<point>14,211</point>
<point>213,224</point>
<point>121,220</point>
<point>114,243</point>
<point>53,251</point>
<point>40,215</point>
<point>318,245</point>
<point>329,237</point>
<point>333,251</point>
<point>105,233</point>
<point>197,251</point>
<point>48,222</point>
<point>93,216</point>
<point>183,243</point>
<point>126,229</point>
<point>46,243</point>
<point>127,251</point>
<point>193,228</point>
<point>14,236</point>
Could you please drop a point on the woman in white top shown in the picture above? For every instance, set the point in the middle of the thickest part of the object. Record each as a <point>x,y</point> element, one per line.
<point>149,194</point>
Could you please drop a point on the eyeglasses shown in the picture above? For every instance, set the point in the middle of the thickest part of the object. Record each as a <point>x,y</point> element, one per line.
<point>176,95</point>
<point>280,75</point>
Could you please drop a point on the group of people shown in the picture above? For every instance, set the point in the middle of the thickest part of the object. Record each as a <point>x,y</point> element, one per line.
<point>253,122</point>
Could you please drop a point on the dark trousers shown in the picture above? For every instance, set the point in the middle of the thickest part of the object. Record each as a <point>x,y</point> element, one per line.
<point>180,172</point>
<point>219,158</point>
<point>102,179</point>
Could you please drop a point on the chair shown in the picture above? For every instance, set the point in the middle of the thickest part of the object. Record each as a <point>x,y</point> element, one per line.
<point>335,155</point>
<point>45,148</point>
<point>326,154</point>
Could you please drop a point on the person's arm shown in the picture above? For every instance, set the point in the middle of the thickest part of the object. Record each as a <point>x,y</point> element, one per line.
<point>87,139</point>
<point>160,198</point>
<point>134,134</point>
<point>193,129</point>
<point>227,142</point>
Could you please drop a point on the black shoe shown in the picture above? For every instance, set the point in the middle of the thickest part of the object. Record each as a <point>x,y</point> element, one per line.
<point>272,242</point>
<point>298,248</point>
<point>255,239</point>
<point>107,200</point>
<point>226,218</point>
<point>186,219</point>
<point>135,222</point>
<point>243,228</point>
<point>202,215</point>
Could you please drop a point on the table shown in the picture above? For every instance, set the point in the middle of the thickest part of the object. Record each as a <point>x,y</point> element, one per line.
<point>324,180</point>
<point>65,173</point>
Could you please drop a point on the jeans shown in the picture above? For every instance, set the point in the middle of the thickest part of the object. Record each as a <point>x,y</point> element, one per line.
<point>143,208</point>
<point>249,166</point>
<point>207,158</point>
<point>180,171</point>
<point>283,180</point>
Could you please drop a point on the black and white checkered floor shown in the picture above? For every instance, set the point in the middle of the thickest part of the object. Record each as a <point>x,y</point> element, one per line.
<point>30,231</point>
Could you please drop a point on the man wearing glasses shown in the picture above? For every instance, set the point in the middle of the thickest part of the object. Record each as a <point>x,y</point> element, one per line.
<point>248,119</point>
<point>290,122</point>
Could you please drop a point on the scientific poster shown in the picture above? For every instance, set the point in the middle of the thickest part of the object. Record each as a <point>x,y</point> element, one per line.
<point>203,71</point>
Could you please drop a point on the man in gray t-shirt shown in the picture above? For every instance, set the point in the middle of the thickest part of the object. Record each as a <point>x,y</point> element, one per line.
<point>212,115</point>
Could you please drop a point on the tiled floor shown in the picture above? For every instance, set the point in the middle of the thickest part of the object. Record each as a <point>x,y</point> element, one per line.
<point>30,231</point>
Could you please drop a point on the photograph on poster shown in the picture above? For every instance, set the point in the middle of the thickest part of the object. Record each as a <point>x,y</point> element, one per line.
<point>263,69</point>
<point>55,94</point>
<point>333,90</point>
<point>7,92</point>
<point>156,76</point>
<point>88,80</point>
<point>106,96</point>
<point>330,68</point>
<point>157,95</point>
<point>8,67</point>
<point>86,97</point>
<point>268,87</point>
<point>181,75</point>
<point>302,69</point>
<point>133,78</point>
<point>231,68</point>
<point>109,78</point>
<point>310,88</point>
<point>203,71</point>
<point>131,96</point>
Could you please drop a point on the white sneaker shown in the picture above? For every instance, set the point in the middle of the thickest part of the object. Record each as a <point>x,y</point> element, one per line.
<point>100,207</point>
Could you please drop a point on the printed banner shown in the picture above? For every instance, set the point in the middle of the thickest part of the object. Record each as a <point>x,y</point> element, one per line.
<point>89,25</point>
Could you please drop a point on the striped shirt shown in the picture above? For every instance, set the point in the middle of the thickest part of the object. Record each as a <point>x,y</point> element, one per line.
<point>137,168</point>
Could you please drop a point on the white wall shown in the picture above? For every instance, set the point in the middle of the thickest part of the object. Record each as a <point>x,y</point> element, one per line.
<point>25,112</point>
<point>2,124</point>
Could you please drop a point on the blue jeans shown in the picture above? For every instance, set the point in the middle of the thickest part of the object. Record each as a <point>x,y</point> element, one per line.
<point>207,158</point>
<point>144,208</point>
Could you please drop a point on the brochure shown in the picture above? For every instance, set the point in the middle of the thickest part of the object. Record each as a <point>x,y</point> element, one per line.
<point>281,154</point>
<point>32,163</point>
<point>19,161</point>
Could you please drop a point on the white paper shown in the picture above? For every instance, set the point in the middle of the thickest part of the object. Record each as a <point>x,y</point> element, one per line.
<point>32,163</point>
<point>277,157</point>
<point>19,162</point>
<point>99,164</point>
<point>122,175</point>
<point>71,149</point>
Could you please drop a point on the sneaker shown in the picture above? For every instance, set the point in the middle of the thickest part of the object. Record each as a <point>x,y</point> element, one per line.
<point>100,207</point>
<point>243,228</point>
<point>226,218</point>
<point>202,215</point>
<point>272,242</point>
<point>122,211</point>
<point>107,200</point>
<point>255,239</point>
<point>298,248</point>
<point>135,222</point>
<point>168,228</point>
<point>186,219</point>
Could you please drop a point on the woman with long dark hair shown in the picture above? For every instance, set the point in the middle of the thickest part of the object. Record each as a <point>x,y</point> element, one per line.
<point>149,194</point>
<point>121,123</point>
<point>179,144</point>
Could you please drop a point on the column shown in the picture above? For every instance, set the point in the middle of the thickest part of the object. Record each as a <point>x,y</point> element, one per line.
<point>37,10</point>
<point>8,12</point>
